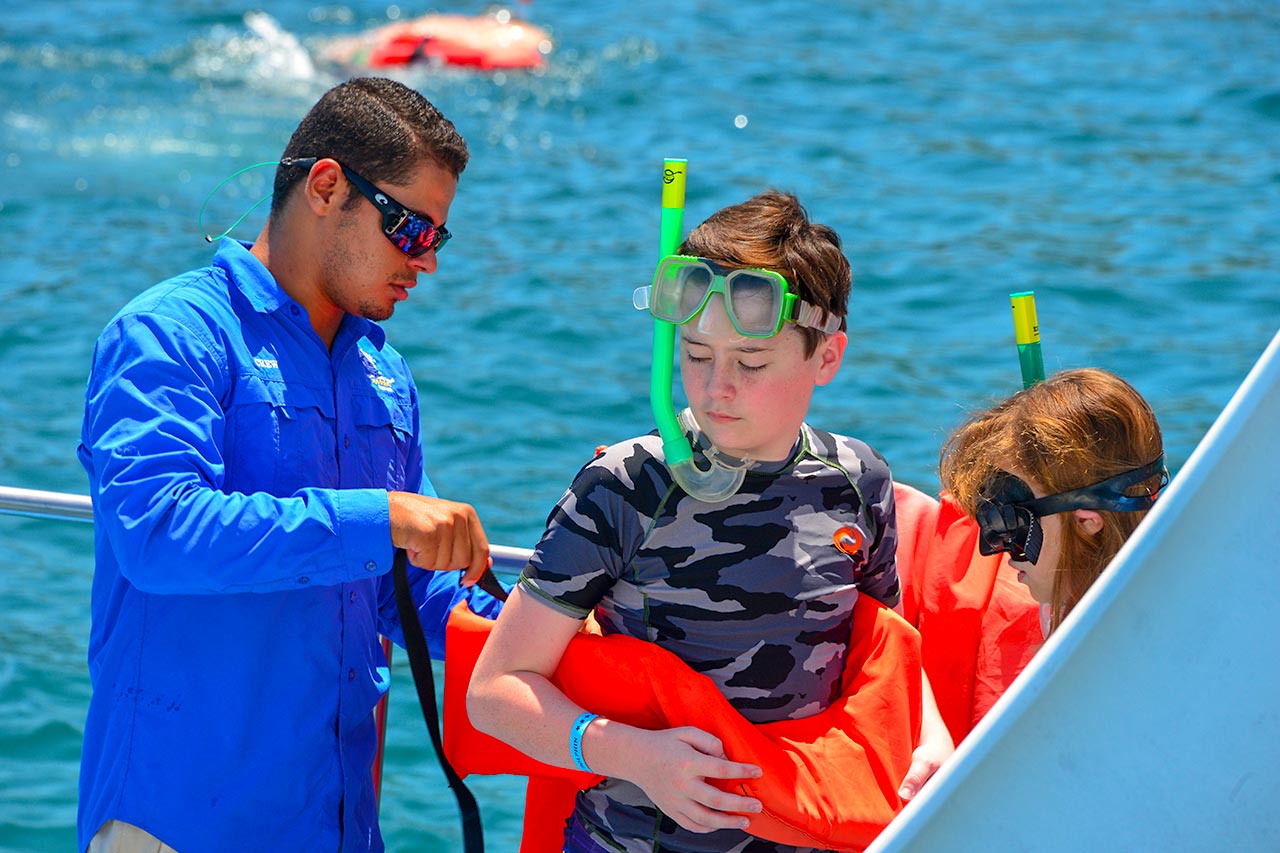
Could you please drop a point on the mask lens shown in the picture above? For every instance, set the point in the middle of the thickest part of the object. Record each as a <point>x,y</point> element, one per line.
<point>1005,526</point>
<point>993,537</point>
<point>679,289</point>
<point>755,303</point>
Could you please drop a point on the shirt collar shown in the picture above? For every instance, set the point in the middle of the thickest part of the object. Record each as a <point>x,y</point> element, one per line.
<point>266,295</point>
<point>247,273</point>
<point>354,328</point>
<point>700,443</point>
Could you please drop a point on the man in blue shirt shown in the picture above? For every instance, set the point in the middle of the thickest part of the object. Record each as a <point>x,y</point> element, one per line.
<point>253,450</point>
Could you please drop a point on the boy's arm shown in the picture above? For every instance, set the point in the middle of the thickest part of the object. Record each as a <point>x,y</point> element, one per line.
<point>935,746</point>
<point>511,697</point>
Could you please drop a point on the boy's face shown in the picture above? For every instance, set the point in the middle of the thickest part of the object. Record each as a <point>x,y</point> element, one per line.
<point>750,395</point>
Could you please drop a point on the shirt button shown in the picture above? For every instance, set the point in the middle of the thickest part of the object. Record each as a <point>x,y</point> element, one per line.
<point>351,675</point>
<point>371,566</point>
<point>353,598</point>
<point>346,441</point>
<point>293,309</point>
<point>303,579</point>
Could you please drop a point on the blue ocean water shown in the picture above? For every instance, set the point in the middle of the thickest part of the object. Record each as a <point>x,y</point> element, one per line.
<point>1122,161</point>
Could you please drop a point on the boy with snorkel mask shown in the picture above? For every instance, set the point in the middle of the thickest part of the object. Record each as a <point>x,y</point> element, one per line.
<point>753,589</point>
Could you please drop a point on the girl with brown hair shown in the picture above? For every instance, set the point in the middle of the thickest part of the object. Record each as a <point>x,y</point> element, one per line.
<point>1058,475</point>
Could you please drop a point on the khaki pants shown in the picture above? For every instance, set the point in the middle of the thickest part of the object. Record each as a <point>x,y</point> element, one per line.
<point>116,836</point>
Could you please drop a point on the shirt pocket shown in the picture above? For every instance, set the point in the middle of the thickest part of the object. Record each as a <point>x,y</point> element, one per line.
<point>384,430</point>
<point>281,437</point>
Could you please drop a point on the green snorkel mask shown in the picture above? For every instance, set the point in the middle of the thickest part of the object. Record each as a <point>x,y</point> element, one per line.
<point>757,302</point>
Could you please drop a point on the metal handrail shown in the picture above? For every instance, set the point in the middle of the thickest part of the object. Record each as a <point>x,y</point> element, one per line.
<point>67,507</point>
<point>33,502</point>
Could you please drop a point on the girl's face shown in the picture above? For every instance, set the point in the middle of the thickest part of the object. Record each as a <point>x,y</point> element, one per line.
<point>1039,576</point>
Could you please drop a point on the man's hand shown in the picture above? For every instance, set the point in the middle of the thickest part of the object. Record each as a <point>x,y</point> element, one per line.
<point>439,535</point>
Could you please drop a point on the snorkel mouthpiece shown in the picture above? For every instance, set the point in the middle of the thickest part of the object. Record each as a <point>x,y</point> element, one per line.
<point>718,481</point>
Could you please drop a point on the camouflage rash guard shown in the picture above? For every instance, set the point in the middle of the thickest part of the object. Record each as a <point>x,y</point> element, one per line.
<point>752,592</point>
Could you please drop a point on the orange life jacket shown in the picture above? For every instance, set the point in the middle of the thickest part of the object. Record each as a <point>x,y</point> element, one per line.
<point>979,627</point>
<point>830,780</point>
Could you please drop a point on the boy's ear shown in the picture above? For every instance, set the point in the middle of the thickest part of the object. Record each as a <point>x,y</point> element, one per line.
<point>831,352</point>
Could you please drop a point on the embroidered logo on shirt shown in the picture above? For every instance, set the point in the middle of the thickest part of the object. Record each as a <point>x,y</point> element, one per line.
<point>848,540</point>
<point>381,382</point>
<point>267,363</point>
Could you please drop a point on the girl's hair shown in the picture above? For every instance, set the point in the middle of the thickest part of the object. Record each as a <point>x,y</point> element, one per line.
<point>773,231</point>
<point>381,129</point>
<point>1076,428</point>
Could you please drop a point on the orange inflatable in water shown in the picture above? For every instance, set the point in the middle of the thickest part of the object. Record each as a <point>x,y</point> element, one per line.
<point>488,42</point>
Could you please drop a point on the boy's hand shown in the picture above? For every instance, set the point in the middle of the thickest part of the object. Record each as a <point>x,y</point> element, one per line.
<point>674,767</point>
<point>935,747</point>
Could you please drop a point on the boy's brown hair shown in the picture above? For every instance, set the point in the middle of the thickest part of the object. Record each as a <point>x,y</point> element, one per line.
<point>773,231</point>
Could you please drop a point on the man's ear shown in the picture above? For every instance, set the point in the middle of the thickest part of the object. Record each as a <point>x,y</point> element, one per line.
<point>322,186</point>
<point>1089,520</point>
<point>831,351</point>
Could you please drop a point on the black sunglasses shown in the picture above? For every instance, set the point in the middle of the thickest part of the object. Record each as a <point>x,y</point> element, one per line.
<point>412,233</point>
<point>1008,511</point>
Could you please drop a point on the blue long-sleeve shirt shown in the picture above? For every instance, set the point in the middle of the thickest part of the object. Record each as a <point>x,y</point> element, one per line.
<point>239,472</point>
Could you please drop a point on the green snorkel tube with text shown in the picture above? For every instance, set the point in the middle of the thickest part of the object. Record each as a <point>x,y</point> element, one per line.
<point>717,482</point>
<point>1026,331</point>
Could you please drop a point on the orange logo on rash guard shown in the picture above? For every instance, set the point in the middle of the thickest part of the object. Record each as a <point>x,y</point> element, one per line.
<point>848,540</point>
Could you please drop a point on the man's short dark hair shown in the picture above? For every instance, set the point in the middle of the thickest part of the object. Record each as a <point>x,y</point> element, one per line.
<point>379,128</point>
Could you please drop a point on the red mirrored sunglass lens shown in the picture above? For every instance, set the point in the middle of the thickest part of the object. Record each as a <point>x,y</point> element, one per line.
<point>416,236</point>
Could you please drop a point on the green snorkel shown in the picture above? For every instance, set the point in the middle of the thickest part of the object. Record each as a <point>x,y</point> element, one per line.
<point>1026,331</point>
<point>718,481</point>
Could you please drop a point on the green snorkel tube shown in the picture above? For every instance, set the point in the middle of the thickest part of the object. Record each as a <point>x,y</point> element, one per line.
<point>1026,331</point>
<point>718,481</point>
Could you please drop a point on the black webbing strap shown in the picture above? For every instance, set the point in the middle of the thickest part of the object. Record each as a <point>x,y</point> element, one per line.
<point>420,662</point>
<point>489,583</point>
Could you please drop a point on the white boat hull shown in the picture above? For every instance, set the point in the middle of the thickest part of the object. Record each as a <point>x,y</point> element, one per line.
<point>1151,719</point>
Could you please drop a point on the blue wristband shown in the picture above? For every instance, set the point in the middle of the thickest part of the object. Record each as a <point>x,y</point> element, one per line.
<point>575,740</point>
